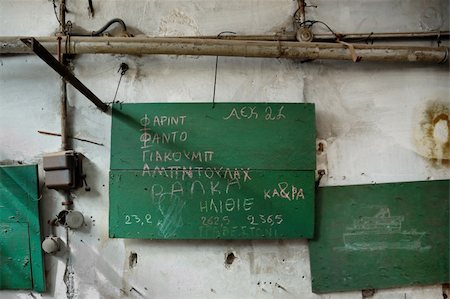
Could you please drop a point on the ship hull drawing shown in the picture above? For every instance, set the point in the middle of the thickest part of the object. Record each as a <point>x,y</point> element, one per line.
<point>381,232</point>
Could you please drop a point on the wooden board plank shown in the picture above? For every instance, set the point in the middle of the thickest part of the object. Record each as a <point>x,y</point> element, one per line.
<point>15,266</point>
<point>381,236</point>
<point>270,136</point>
<point>268,204</point>
<point>203,164</point>
<point>19,203</point>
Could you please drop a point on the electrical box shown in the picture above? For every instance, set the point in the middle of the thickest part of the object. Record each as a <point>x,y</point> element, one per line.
<point>63,170</point>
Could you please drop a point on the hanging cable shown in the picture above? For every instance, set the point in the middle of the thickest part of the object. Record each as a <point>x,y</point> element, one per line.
<point>215,70</point>
<point>122,69</point>
<point>56,14</point>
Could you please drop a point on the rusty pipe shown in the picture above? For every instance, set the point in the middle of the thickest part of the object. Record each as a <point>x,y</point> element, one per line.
<point>237,48</point>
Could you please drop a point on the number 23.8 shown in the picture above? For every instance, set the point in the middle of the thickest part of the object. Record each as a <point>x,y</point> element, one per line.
<point>135,219</point>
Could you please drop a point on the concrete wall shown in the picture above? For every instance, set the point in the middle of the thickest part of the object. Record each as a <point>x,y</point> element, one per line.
<point>373,116</point>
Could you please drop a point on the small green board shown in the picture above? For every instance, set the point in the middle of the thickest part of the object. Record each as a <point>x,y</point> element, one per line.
<point>194,171</point>
<point>19,217</point>
<point>15,266</point>
<point>381,236</point>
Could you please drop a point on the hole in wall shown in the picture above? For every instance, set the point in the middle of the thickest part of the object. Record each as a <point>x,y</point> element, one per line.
<point>229,258</point>
<point>132,259</point>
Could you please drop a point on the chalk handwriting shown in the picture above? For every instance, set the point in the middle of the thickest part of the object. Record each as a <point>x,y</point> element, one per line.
<point>265,219</point>
<point>244,112</point>
<point>284,191</point>
<point>248,112</point>
<point>169,156</point>
<point>228,205</point>
<point>215,220</point>
<point>195,187</point>
<point>162,120</point>
<point>148,139</point>
<point>182,173</point>
<point>271,116</point>
<point>242,232</point>
<point>139,220</point>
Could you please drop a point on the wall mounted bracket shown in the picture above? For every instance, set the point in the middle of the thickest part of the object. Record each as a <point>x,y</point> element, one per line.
<point>61,69</point>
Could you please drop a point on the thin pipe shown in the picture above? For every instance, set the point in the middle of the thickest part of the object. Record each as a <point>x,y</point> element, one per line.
<point>63,100</point>
<point>322,37</point>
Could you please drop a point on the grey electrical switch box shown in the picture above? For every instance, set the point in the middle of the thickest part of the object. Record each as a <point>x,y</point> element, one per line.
<point>63,170</point>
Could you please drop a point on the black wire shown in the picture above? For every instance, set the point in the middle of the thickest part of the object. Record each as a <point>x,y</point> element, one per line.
<point>310,23</point>
<point>103,29</point>
<point>122,69</point>
<point>215,70</point>
<point>56,14</point>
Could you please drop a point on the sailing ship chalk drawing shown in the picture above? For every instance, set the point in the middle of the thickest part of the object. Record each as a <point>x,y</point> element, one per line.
<point>381,232</point>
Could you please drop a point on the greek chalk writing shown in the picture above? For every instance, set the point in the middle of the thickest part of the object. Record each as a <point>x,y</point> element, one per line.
<point>247,112</point>
<point>169,156</point>
<point>244,112</point>
<point>227,205</point>
<point>182,172</point>
<point>162,120</point>
<point>162,138</point>
<point>169,120</point>
<point>284,191</point>
<point>243,232</point>
<point>194,188</point>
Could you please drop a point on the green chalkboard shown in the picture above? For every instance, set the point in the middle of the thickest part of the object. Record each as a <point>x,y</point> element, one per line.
<point>21,265</point>
<point>381,236</point>
<point>194,171</point>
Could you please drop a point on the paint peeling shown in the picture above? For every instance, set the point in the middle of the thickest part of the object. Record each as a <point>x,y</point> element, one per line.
<point>69,280</point>
<point>432,135</point>
<point>178,23</point>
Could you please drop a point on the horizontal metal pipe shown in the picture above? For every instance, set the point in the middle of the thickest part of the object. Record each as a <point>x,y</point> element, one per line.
<point>323,37</point>
<point>240,48</point>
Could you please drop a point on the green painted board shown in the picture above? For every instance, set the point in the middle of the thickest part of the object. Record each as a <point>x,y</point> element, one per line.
<point>19,204</point>
<point>191,171</point>
<point>15,266</point>
<point>381,236</point>
<point>203,208</point>
<point>270,136</point>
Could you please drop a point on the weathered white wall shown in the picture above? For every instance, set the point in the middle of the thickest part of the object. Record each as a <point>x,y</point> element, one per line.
<point>372,116</point>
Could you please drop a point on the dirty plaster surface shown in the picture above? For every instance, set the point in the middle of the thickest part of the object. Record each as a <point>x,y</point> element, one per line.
<point>375,118</point>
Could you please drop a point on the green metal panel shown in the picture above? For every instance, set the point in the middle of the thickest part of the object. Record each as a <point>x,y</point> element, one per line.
<point>191,171</point>
<point>15,266</point>
<point>19,204</point>
<point>381,236</point>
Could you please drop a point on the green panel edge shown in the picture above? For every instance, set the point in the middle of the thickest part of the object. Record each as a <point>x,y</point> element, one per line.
<point>23,180</point>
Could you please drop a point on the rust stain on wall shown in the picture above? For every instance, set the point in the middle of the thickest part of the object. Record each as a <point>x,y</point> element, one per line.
<point>432,135</point>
